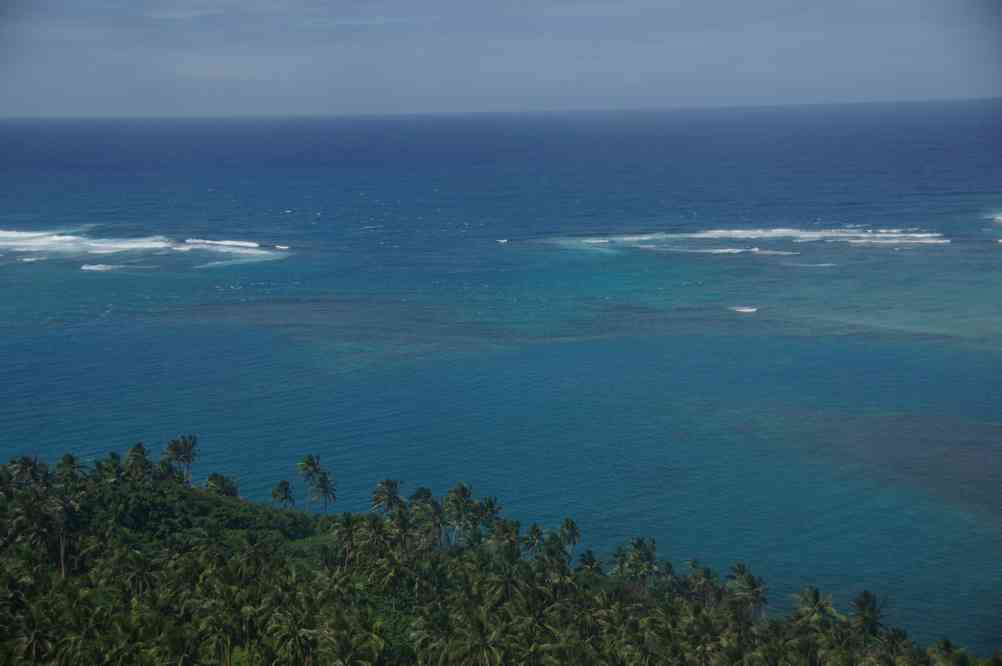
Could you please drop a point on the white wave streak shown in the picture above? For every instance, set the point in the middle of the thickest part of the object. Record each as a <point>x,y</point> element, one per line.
<point>844,235</point>
<point>887,236</point>
<point>73,244</point>
<point>100,268</point>
<point>899,241</point>
<point>712,250</point>
<point>717,250</point>
<point>222,243</point>
<point>247,251</point>
<point>744,309</point>
<point>51,241</point>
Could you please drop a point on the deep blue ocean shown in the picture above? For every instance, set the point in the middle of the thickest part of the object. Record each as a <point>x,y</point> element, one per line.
<point>767,335</point>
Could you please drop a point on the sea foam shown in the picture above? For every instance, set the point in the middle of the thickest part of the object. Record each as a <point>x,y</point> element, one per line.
<point>63,242</point>
<point>845,235</point>
<point>54,241</point>
<point>850,235</point>
<point>100,268</point>
<point>711,250</point>
<point>222,243</point>
<point>821,265</point>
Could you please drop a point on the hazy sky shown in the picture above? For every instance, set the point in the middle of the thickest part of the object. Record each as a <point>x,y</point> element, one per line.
<point>212,57</point>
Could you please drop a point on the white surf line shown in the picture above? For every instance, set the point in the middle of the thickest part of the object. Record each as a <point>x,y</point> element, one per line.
<point>62,242</point>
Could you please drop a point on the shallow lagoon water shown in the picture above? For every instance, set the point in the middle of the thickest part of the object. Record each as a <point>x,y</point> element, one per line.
<point>846,433</point>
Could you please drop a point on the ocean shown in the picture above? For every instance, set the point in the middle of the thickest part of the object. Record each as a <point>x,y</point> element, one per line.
<point>769,335</point>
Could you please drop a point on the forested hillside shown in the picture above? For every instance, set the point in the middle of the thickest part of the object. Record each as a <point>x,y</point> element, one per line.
<point>128,562</point>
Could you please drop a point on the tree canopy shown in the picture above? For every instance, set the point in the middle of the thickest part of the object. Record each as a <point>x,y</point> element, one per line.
<point>128,563</point>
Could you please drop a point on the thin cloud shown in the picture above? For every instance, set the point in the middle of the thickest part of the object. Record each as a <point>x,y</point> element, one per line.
<point>218,57</point>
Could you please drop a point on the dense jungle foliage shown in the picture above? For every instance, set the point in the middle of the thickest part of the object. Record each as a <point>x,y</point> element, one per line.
<point>127,562</point>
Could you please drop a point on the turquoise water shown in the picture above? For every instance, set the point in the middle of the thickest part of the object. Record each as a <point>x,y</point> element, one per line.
<point>768,335</point>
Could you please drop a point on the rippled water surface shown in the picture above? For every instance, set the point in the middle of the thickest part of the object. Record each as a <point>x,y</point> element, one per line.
<point>769,335</point>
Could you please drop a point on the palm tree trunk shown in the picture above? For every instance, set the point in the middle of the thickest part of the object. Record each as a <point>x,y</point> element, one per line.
<point>62,555</point>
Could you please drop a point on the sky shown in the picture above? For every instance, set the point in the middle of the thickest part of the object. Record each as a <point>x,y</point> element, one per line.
<point>82,58</point>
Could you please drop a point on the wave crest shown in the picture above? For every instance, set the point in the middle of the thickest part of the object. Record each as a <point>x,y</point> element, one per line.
<point>101,268</point>
<point>695,242</point>
<point>61,242</point>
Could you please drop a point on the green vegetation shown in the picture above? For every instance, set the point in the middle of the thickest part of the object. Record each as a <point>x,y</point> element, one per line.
<point>129,563</point>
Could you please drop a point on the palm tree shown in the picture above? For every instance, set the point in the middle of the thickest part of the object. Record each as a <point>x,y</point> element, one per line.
<point>570,535</point>
<point>137,463</point>
<point>386,496</point>
<point>534,538</point>
<point>222,485</point>
<point>323,488</point>
<point>282,493</point>
<point>68,469</point>
<point>309,468</point>
<point>748,590</point>
<point>293,634</point>
<point>183,451</point>
<point>477,640</point>
<point>814,609</point>
<point>430,515</point>
<point>587,562</point>
<point>27,470</point>
<point>62,514</point>
<point>505,534</point>
<point>458,507</point>
<point>352,638</point>
<point>488,511</point>
<point>32,635</point>
<point>135,572</point>
<point>867,614</point>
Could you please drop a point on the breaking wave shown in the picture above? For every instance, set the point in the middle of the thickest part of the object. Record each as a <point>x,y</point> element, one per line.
<point>53,241</point>
<point>772,240</point>
<point>222,243</point>
<point>821,265</point>
<point>100,268</point>
<point>721,250</point>
<point>845,235</point>
<point>62,242</point>
<point>712,250</point>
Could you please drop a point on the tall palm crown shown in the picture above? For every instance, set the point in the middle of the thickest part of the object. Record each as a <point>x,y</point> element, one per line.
<point>569,533</point>
<point>323,488</point>
<point>183,450</point>
<point>137,463</point>
<point>309,468</point>
<point>282,493</point>
<point>386,496</point>
<point>867,615</point>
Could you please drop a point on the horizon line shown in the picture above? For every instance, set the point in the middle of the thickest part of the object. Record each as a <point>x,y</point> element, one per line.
<point>508,112</point>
